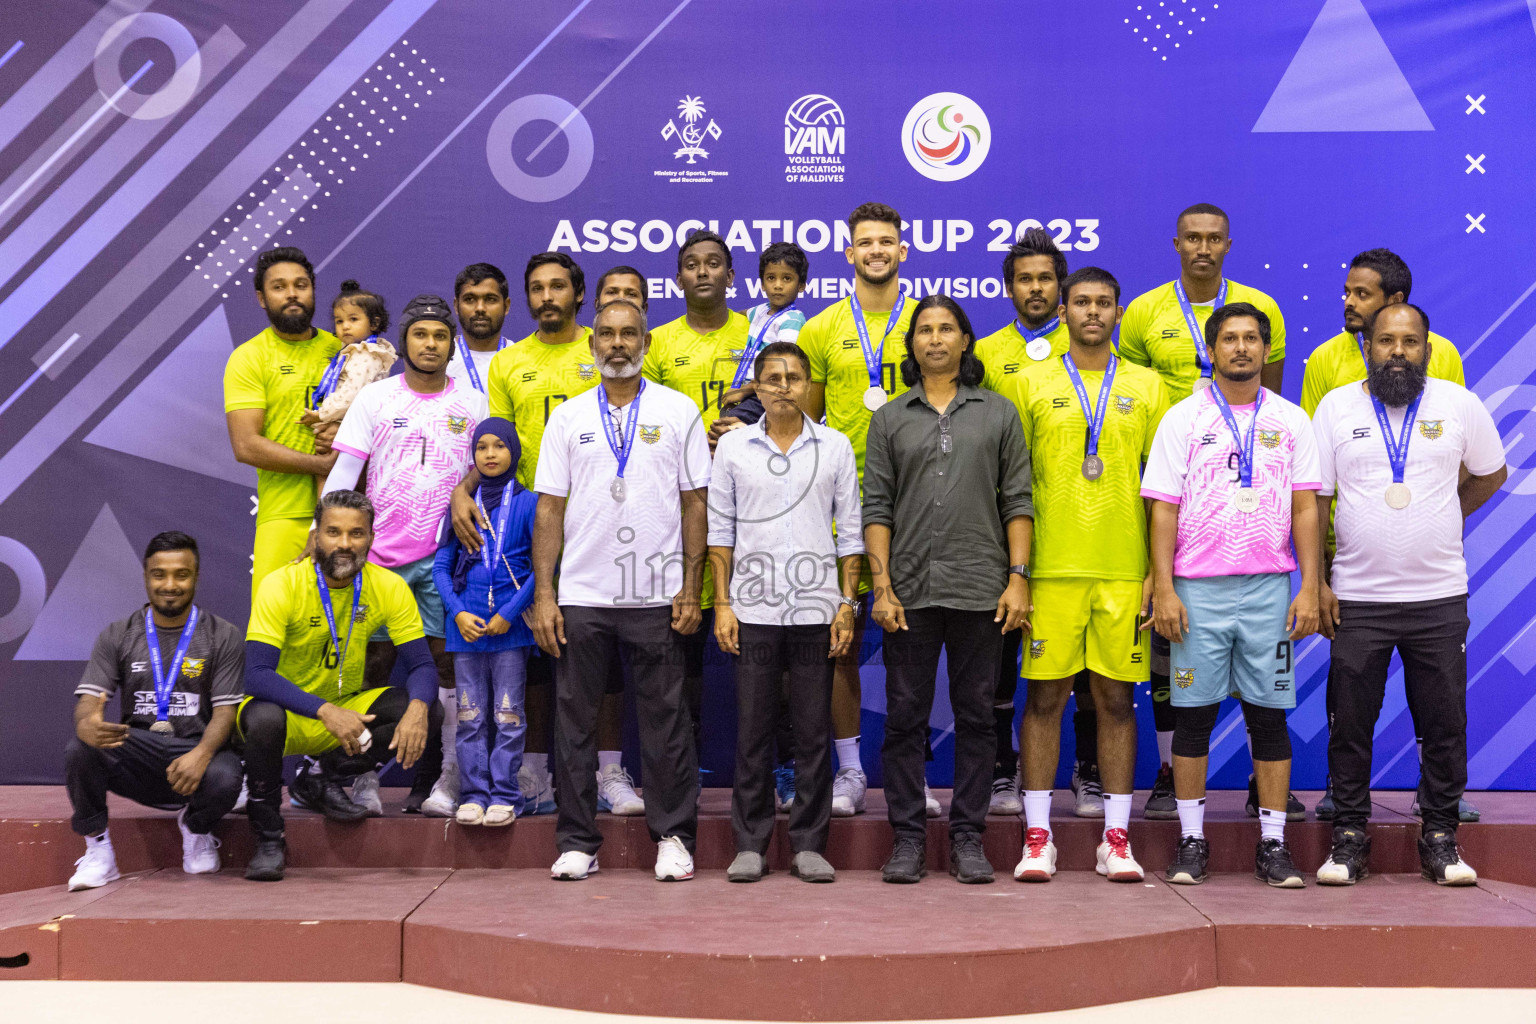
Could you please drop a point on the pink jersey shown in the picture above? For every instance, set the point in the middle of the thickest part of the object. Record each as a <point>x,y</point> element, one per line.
<point>418,448</point>
<point>1194,465</point>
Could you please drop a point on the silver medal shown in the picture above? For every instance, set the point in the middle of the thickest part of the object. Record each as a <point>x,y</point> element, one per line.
<point>617,489</point>
<point>1038,349</point>
<point>163,728</point>
<point>874,398</point>
<point>1201,383</point>
<point>1398,496</point>
<point>1093,467</point>
<point>1246,500</point>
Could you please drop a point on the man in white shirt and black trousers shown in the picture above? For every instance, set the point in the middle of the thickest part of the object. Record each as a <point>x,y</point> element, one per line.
<point>1408,459</point>
<point>622,481</point>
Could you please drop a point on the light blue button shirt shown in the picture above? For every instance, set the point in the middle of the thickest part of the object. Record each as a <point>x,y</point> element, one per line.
<point>777,511</point>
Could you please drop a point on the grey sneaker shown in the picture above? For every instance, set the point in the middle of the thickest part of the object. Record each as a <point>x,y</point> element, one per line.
<point>810,866</point>
<point>747,867</point>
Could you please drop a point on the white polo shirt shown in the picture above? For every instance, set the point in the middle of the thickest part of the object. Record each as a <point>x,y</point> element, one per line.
<point>1414,553</point>
<point>625,554</point>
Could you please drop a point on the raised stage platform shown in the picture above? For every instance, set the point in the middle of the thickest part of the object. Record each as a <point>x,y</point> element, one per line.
<point>473,910</point>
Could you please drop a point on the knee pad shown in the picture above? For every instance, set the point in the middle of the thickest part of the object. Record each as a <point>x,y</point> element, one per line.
<point>1192,730</point>
<point>1266,727</point>
<point>263,723</point>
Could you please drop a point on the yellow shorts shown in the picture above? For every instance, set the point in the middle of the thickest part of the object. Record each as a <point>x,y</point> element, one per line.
<point>1087,622</point>
<point>308,735</point>
<point>278,542</point>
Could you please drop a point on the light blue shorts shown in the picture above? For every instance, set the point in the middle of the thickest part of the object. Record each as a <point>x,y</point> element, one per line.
<point>1236,645</point>
<point>418,576</point>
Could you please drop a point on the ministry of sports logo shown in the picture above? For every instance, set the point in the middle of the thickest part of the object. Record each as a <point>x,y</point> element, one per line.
<point>649,434</point>
<point>946,136</point>
<point>1125,404</point>
<point>696,129</point>
<point>814,140</point>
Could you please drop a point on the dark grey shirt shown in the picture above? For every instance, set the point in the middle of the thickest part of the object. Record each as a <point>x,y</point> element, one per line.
<point>946,502</point>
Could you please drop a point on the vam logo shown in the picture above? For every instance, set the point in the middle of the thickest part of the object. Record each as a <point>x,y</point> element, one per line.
<point>946,136</point>
<point>814,140</point>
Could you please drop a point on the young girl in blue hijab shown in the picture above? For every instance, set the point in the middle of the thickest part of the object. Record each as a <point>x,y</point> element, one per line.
<point>485,594</point>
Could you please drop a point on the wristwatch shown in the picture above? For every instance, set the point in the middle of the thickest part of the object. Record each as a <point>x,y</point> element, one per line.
<point>851,602</point>
<point>1019,570</point>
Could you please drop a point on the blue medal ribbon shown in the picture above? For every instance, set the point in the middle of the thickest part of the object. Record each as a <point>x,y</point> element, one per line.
<point>1093,414</point>
<point>1195,333</point>
<point>496,541</point>
<point>469,361</point>
<point>330,617</point>
<point>629,428</point>
<point>1397,449</point>
<point>1244,445</point>
<point>328,380</point>
<point>165,682</point>
<point>1045,328</point>
<point>873,356</point>
<point>753,344</point>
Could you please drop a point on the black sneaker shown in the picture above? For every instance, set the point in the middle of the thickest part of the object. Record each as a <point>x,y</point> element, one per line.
<point>1272,865</point>
<point>314,790</point>
<point>1189,861</point>
<point>1324,809</point>
<point>967,860</point>
<point>1161,805</point>
<point>1349,859</point>
<point>1294,809</point>
<point>270,859</point>
<point>906,864</point>
<point>1440,859</point>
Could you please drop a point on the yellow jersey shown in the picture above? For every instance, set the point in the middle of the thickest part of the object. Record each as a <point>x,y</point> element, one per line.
<point>529,379</point>
<point>1153,333</point>
<point>701,366</point>
<point>1002,353</point>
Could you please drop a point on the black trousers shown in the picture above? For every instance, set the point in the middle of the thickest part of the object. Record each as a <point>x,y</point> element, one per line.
<point>769,654</point>
<point>972,643</point>
<point>595,637</point>
<point>1431,638</point>
<point>264,727</point>
<point>136,770</point>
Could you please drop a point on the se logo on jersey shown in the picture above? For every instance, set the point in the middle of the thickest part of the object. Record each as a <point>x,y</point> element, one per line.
<point>1184,677</point>
<point>650,435</point>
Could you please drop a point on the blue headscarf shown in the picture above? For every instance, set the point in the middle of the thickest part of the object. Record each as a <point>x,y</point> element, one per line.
<point>493,489</point>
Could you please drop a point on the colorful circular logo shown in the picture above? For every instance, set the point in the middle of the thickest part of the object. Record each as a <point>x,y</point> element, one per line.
<point>946,136</point>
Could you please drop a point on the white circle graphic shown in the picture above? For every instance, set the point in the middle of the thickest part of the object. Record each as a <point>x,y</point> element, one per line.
<point>578,155</point>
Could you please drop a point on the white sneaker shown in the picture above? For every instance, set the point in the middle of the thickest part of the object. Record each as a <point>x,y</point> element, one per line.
<point>469,814</point>
<point>573,866</point>
<point>1115,860</point>
<point>97,867</point>
<point>538,791</point>
<point>934,810</point>
<point>1005,797</point>
<point>443,801</point>
<point>244,797</point>
<point>199,854</point>
<point>617,787</point>
<point>673,863</point>
<point>848,788</point>
<point>1039,862</point>
<point>365,793</point>
<point>498,814</point>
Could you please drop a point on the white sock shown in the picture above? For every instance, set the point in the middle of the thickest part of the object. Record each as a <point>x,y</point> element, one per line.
<point>1191,818</point>
<point>537,764</point>
<point>608,759</point>
<point>1165,748</point>
<point>1271,824</point>
<point>848,753</point>
<point>449,698</point>
<point>1117,811</point>
<point>1037,809</point>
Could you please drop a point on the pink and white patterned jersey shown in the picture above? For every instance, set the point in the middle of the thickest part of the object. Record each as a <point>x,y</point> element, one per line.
<point>1194,466</point>
<point>418,448</point>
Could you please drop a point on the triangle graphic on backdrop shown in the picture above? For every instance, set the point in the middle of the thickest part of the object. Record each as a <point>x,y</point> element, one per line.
<point>176,414</point>
<point>104,582</point>
<point>1343,79</point>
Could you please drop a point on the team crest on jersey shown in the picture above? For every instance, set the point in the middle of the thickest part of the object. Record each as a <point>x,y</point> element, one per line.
<point>1037,649</point>
<point>650,435</point>
<point>586,370</point>
<point>192,668</point>
<point>1184,678</point>
<point>458,424</point>
<point>1431,429</point>
<point>1125,405</point>
<point>1269,438</point>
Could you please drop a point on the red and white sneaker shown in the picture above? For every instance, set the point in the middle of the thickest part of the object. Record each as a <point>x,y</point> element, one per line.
<point>1039,862</point>
<point>1115,859</point>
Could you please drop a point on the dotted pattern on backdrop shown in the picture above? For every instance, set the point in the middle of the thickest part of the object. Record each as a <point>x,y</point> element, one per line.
<point>1160,26</point>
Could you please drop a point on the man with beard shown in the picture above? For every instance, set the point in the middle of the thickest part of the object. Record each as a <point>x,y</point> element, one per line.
<point>304,675</point>
<point>1392,453</point>
<point>1376,277</point>
<point>180,672</point>
<point>622,487</point>
<point>267,385</point>
<point>705,354</point>
<point>1032,274</point>
<point>480,299</point>
<point>853,373</point>
<point>1163,329</point>
<point>415,433</point>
